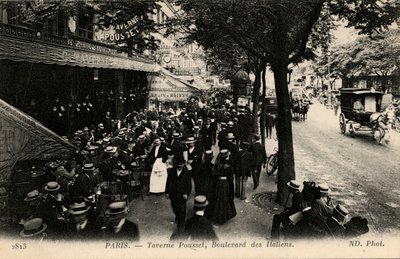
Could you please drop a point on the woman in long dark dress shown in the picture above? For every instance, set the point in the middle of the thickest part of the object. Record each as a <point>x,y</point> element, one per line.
<point>223,205</point>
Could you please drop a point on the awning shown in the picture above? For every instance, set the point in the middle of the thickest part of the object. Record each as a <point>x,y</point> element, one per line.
<point>24,138</point>
<point>20,44</point>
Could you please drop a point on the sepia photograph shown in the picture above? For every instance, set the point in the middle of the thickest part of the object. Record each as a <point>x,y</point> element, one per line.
<point>199,129</point>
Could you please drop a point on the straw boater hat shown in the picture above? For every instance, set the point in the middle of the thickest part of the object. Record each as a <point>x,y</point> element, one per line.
<point>230,123</point>
<point>33,195</point>
<point>79,133</point>
<point>294,184</point>
<point>176,135</point>
<point>200,201</point>
<point>224,153</point>
<point>52,187</point>
<point>100,126</point>
<point>117,208</point>
<point>106,140</point>
<point>323,188</point>
<point>142,137</point>
<point>79,208</point>
<point>33,227</point>
<point>196,127</point>
<point>88,167</point>
<point>230,136</point>
<point>121,134</point>
<point>209,153</point>
<point>341,210</point>
<point>85,129</point>
<point>190,140</point>
<point>110,149</point>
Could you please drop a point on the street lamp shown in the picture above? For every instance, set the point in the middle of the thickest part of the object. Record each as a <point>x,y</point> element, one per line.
<point>329,100</point>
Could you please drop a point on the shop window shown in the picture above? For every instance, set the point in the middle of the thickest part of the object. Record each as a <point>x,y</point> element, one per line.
<point>85,25</point>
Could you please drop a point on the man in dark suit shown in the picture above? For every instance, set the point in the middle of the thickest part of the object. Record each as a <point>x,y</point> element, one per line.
<point>118,227</point>
<point>199,227</point>
<point>109,163</point>
<point>80,228</point>
<point>207,135</point>
<point>199,138</point>
<point>108,123</point>
<point>83,186</point>
<point>222,136</point>
<point>140,148</point>
<point>243,171</point>
<point>179,186</point>
<point>176,146</point>
<point>335,223</point>
<point>194,155</point>
<point>260,158</point>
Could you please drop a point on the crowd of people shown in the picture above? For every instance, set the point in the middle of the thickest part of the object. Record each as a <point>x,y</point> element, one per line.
<point>204,151</point>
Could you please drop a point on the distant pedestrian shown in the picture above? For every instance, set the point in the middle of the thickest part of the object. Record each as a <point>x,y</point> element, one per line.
<point>259,159</point>
<point>244,170</point>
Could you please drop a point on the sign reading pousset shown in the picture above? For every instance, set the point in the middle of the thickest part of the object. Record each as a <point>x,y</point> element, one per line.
<point>120,31</point>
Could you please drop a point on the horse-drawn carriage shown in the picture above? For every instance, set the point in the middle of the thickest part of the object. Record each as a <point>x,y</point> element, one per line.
<point>360,111</point>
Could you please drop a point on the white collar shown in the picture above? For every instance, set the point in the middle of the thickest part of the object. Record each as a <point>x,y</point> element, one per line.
<point>82,225</point>
<point>200,212</point>
<point>120,224</point>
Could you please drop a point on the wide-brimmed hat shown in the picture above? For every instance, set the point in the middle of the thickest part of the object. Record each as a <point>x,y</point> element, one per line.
<point>117,208</point>
<point>190,140</point>
<point>110,149</point>
<point>79,133</point>
<point>200,201</point>
<point>341,210</point>
<point>33,195</point>
<point>85,129</point>
<point>230,123</point>
<point>79,208</point>
<point>121,134</point>
<point>223,124</point>
<point>106,140</point>
<point>323,188</point>
<point>52,187</point>
<point>142,137</point>
<point>196,127</point>
<point>33,227</point>
<point>100,126</point>
<point>230,136</point>
<point>293,184</point>
<point>209,153</point>
<point>88,167</point>
<point>224,153</point>
<point>176,135</point>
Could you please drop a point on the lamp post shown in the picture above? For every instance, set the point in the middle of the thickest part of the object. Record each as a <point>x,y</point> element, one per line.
<point>329,100</point>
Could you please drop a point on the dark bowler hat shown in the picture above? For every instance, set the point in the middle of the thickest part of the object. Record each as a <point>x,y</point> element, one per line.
<point>294,184</point>
<point>200,201</point>
<point>245,145</point>
<point>33,227</point>
<point>52,187</point>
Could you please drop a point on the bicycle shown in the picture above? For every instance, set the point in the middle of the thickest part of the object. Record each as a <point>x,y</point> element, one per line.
<point>272,162</point>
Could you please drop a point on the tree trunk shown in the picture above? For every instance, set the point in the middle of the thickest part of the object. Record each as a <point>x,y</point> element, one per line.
<point>262,119</point>
<point>256,95</point>
<point>286,169</point>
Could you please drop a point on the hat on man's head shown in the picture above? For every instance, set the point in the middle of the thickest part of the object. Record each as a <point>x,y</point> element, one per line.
<point>230,136</point>
<point>106,140</point>
<point>100,126</point>
<point>52,187</point>
<point>79,133</point>
<point>294,185</point>
<point>224,153</point>
<point>85,129</point>
<point>79,208</point>
<point>33,227</point>
<point>33,195</point>
<point>230,123</point>
<point>196,127</point>
<point>245,145</point>
<point>341,210</point>
<point>121,134</point>
<point>257,137</point>
<point>190,140</point>
<point>142,137</point>
<point>110,149</point>
<point>179,160</point>
<point>200,201</point>
<point>323,188</point>
<point>88,167</point>
<point>176,135</point>
<point>117,208</point>
<point>209,153</point>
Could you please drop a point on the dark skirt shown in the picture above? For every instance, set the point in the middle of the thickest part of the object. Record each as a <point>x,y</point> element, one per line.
<point>223,205</point>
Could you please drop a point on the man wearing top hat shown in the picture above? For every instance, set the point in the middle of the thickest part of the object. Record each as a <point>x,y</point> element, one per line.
<point>117,225</point>
<point>199,227</point>
<point>179,187</point>
<point>296,205</point>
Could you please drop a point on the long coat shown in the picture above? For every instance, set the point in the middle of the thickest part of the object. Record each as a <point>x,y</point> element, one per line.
<point>259,154</point>
<point>208,137</point>
<point>177,186</point>
<point>199,228</point>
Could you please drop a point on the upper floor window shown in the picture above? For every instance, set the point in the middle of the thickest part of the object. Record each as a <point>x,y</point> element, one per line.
<point>85,25</point>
